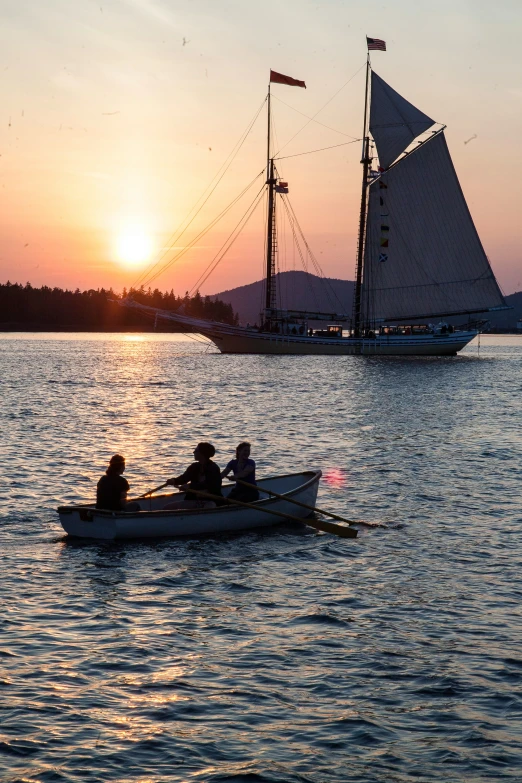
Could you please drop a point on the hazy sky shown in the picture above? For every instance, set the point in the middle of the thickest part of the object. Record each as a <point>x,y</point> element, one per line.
<point>116,115</point>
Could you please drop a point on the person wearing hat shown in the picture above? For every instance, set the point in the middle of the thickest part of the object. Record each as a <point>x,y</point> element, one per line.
<point>112,488</point>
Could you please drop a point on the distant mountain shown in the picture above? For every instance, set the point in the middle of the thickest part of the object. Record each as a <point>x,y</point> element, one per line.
<point>507,319</point>
<point>303,291</point>
<point>296,291</point>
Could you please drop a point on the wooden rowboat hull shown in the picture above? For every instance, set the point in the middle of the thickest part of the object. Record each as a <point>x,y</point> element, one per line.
<point>86,521</point>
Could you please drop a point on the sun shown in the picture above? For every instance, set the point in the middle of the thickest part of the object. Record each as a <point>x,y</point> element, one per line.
<point>133,247</point>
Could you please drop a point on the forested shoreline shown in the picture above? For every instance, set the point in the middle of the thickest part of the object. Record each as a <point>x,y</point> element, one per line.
<point>25,308</point>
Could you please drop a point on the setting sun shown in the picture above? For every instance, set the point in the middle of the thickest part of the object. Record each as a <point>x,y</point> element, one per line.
<point>134,248</point>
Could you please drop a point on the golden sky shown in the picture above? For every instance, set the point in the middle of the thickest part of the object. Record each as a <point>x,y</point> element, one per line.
<point>117,114</point>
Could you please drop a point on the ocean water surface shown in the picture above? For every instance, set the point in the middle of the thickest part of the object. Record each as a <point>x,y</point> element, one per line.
<point>281,655</point>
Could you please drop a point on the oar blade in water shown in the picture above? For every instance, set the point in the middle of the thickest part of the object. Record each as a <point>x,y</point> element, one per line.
<point>329,527</point>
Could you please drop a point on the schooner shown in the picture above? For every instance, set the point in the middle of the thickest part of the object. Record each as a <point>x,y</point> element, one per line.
<point>419,257</point>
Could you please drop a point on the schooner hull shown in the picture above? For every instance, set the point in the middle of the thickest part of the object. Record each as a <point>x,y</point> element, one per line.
<point>238,339</point>
<point>417,345</point>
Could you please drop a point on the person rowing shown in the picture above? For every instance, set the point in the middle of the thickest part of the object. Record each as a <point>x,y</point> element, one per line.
<point>112,488</point>
<point>244,468</point>
<point>203,476</point>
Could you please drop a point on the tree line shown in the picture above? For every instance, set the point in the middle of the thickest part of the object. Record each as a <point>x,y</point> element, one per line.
<point>23,307</point>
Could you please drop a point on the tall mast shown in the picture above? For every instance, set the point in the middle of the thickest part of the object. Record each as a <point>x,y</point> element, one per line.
<point>270,300</point>
<point>365,160</point>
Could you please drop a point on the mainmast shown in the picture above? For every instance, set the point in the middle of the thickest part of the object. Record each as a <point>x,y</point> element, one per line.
<point>271,244</point>
<point>366,161</point>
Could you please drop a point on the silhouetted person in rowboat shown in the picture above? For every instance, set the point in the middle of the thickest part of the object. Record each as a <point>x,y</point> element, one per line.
<point>112,488</point>
<point>203,475</point>
<point>244,468</point>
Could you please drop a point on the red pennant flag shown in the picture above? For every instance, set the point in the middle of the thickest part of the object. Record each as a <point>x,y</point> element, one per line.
<point>279,78</point>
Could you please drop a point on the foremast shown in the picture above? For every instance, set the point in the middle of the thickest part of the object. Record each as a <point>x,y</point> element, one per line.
<point>366,162</point>
<point>271,236</point>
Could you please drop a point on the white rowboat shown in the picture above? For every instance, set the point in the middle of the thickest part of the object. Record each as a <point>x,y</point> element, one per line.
<point>86,521</point>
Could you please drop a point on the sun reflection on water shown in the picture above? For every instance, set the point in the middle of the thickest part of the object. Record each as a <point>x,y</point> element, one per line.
<point>266,647</point>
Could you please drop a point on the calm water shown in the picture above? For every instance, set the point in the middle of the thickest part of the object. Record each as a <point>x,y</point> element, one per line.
<point>274,656</point>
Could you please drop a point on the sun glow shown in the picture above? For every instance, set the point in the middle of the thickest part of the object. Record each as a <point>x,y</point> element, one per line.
<point>134,248</point>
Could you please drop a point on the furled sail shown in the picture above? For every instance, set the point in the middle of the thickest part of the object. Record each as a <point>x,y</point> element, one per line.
<point>423,256</point>
<point>394,122</point>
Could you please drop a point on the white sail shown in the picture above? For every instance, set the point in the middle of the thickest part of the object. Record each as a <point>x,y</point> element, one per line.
<point>423,256</point>
<point>394,122</point>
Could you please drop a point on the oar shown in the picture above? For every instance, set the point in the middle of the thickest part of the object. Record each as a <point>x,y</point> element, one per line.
<point>327,527</point>
<point>298,503</point>
<point>140,497</point>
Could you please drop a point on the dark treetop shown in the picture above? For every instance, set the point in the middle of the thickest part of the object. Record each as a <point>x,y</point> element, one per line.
<point>35,309</point>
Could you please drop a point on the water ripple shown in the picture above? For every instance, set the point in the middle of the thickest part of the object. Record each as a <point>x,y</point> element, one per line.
<point>282,655</point>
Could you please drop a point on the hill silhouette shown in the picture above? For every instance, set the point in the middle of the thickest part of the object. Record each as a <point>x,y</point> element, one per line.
<point>296,291</point>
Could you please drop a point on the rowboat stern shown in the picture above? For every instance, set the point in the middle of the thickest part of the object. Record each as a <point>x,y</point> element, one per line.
<point>83,522</point>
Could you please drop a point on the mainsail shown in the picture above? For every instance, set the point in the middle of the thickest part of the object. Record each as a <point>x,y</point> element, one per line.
<point>423,256</point>
<point>394,122</point>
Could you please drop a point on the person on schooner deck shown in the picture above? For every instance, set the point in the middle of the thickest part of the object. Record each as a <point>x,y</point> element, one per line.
<point>112,488</point>
<point>244,468</point>
<point>203,475</point>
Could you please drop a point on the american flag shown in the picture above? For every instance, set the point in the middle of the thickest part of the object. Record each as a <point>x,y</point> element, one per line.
<point>376,43</point>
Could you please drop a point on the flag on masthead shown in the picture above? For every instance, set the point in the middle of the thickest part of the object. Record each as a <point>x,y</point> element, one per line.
<point>279,78</point>
<point>376,43</point>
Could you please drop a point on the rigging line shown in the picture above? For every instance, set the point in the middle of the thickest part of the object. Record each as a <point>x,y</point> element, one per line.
<point>298,246</point>
<point>296,240</point>
<point>301,232</point>
<point>203,232</point>
<point>329,288</point>
<point>348,135</point>
<point>191,336</point>
<point>315,261</point>
<point>180,231</point>
<point>276,173</point>
<point>196,340</point>
<point>324,106</point>
<point>310,152</point>
<point>303,258</point>
<point>210,268</point>
<point>283,245</point>
<point>280,295</point>
<point>232,155</point>
<point>280,257</point>
<point>187,334</point>
<point>263,275</point>
<point>165,266</point>
<point>231,239</point>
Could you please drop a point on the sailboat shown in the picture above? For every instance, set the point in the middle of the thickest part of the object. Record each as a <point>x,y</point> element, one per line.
<point>419,257</point>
